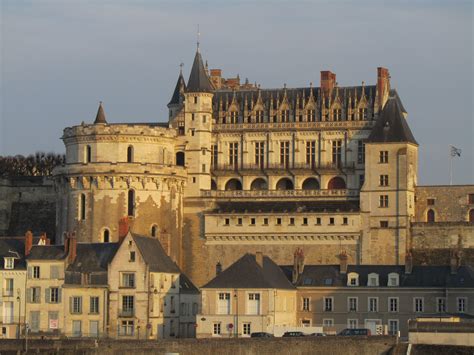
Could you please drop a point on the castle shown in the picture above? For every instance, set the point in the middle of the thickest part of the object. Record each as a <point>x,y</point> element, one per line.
<point>239,169</point>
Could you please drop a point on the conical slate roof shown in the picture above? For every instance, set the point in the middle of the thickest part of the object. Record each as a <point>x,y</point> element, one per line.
<point>178,90</point>
<point>391,125</point>
<point>198,79</point>
<point>100,118</point>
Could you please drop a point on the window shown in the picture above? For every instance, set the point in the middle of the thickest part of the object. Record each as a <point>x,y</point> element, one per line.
<point>154,231</point>
<point>252,221</point>
<point>328,304</point>
<point>106,236</point>
<point>131,203</point>
<point>292,221</point>
<point>344,220</point>
<point>239,221</point>
<point>383,224</point>
<point>352,279</point>
<point>373,279</point>
<point>265,221</point>
<point>94,305</point>
<point>441,304</point>
<point>88,154</point>
<point>278,221</point>
<point>328,322</point>
<point>192,132</point>
<point>352,323</point>
<point>383,201</point>
<point>132,257</point>
<point>260,154</point>
<point>337,114</point>
<point>393,326</point>
<point>223,303</point>
<point>311,115</point>
<point>393,279</point>
<point>383,157</point>
<point>128,305</point>
<point>337,152</point>
<point>430,201</point>
<point>34,295</point>
<point>373,304</point>
<point>9,263</point>
<point>204,119</point>
<point>36,272</point>
<point>53,320</point>
<point>9,287</point>
<point>253,303</point>
<point>214,155</point>
<point>470,199</point>
<point>331,221</point>
<point>311,153</point>
<point>360,152</point>
<point>305,221</point>
<point>203,168</point>
<point>34,321</point>
<point>195,99</point>
<point>285,154</point>
<point>362,113</point>
<point>306,322</point>
<point>461,304</point>
<point>130,154</point>
<point>127,327</point>
<point>361,180</point>
<point>259,116</point>
<point>285,116</point>
<point>76,328</point>
<point>82,207</point>
<point>76,304</point>
<point>318,221</point>
<point>128,280</point>
<point>227,221</point>
<point>393,304</point>
<point>234,116</point>
<point>234,155</point>
<point>53,295</point>
<point>383,180</point>
<point>418,304</point>
<point>430,216</point>
<point>352,304</point>
<point>306,303</point>
<point>246,328</point>
<point>216,330</point>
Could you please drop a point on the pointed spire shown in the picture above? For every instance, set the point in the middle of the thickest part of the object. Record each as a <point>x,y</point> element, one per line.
<point>179,89</point>
<point>198,79</point>
<point>100,118</point>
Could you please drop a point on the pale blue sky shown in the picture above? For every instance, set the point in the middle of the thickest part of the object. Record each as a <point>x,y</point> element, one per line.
<point>60,58</point>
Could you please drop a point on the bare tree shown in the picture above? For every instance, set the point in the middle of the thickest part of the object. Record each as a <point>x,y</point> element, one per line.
<point>38,164</point>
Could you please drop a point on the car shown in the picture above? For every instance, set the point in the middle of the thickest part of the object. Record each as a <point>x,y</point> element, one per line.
<point>355,332</point>
<point>261,335</point>
<point>293,334</point>
<point>317,335</point>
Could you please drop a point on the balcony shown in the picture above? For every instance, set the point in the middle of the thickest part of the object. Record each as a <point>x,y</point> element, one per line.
<point>272,168</point>
<point>7,292</point>
<point>336,194</point>
<point>279,126</point>
<point>127,312</point>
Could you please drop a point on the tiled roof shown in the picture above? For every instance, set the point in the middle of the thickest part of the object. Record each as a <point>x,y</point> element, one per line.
<point>93,257</point>
<point>287,206</point>
<point>186,286</point>
<point>47,252</point>
<point>198,79</point>
<point>100,118</point>
<point>246,273</point>
<point>154,255</point>
<point>178,90</point>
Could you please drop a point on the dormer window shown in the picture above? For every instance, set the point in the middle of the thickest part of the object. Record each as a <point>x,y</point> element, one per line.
<point>353,279</point>
<point>373,280</point>
<point>9,263</point>
<point>393,279</point>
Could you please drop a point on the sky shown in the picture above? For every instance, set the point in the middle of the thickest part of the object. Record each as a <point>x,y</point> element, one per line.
<point>60,58</point>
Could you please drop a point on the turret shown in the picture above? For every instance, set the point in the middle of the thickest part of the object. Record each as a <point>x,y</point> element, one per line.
<point>176,103</point>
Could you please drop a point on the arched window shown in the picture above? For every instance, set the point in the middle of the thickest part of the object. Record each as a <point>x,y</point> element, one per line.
<point>353,279</point>
<point>430,216</point>
<point>336,183</point>
<point>233,184</point>
<point>213,185</point>
<point>82,207</point>
<point>284,184</point>
<point>130,154</point>
<point>106,236</point>
<point>131,203</point>
<point>154,230</point>
<point>311,184</point>
<point>259,184</point>
<point>180,158</point>
<point>471,216</point>
<point>88,154</point>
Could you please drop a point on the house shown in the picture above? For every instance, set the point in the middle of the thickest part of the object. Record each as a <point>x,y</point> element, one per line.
<point>189,306</point>
<point>251,295</point>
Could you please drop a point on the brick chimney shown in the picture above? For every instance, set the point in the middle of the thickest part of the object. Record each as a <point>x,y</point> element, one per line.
<point>28,242</point>
<point>216,78</point>
<point>343,262</point>
<point>383,86</point>
<point>408,263</point>
<point>124,227</point>
<point>71,248</point>
<point>298,264</point>
<point>328,81</point>
<point>44,240</point>
<point>259,258</point>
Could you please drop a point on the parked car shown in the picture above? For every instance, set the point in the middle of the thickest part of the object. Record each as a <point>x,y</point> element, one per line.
<point>261,335</point>
<point>355,332</point>
<point>293,334</point>
<point>317,335</point>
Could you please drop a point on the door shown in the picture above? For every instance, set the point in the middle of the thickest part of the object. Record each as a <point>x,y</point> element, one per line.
<point>7,312</point>
<point>94,328</point>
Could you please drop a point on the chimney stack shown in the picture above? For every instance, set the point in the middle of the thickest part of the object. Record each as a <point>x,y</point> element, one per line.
<point>343,262</point>
<point>408,263</point>
<point>28,242</point>
<point>383,86</point>
<point>218,268</point>
<point>328,81</point>
<point>44,240</point>
<point>71,248</point>
<point>259,258</point>
<point>124,227</point>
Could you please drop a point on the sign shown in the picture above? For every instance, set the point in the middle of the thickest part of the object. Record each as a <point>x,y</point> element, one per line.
<point>53,324</point>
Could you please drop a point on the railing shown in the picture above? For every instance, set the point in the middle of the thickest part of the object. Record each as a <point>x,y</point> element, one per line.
<point>291,125</point>
<point>342,193</point>
<point>7,292</point>
<point>288,166</point>
<point>127,312</point>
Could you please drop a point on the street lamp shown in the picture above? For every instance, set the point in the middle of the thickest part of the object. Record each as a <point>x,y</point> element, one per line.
<point>18,292</point>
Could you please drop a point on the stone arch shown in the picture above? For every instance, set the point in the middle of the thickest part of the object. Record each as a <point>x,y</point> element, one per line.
<point>213,184</point>
<point>336,183</point>
<point>430,216</point>
<point>284,184</point>
<point>259,184</point>
<point>310,184</point>
<point>233,184</point>
<point>180,158</point>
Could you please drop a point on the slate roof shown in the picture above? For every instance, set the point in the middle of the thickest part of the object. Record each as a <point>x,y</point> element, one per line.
<point>246,273</point>
<point>100,118</point>
<point>178,90</point>
<point>14,244</point>
<point>186,286</point>
<point>287,206</point>
<point>46,252</point>
<point>421,276</point>
<point>198,79</point>
<point>154,255</point>
<point>93,257</point>
<point>391,125</point>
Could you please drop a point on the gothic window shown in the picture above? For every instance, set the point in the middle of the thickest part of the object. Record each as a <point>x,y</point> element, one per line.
<point>311,153</point>
<point>363,113</point>
<point>131,203</point>
<point>311,116</point>
<point>383,201</point>
<point>106,236</point>
<point>285,116</point>
<point>234,155</point>
<point>180,158</point>
<point>214,156</point>
<point>336,183</point>
<point>337,152</point>
<point>234,115</point>
<point>360,152</point>
<point>259,116</point>
<point>285,153</point>
<point>337,114</point>
<point>260,154</point>
<point>430,216</point>
<point>130,154</point>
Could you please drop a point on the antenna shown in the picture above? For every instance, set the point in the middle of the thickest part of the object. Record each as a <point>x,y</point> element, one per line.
<point>198,36</point>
